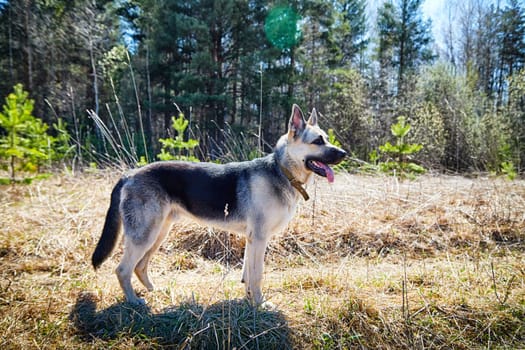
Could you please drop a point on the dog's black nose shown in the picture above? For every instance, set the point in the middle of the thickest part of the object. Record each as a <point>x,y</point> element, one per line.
<point>342,153</point>
<point>335,155</point>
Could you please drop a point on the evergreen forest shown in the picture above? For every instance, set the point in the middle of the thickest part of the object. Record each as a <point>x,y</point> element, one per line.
<point>114,74</point>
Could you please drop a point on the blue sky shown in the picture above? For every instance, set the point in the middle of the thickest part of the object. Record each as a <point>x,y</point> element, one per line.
<point>435,10</point>
<point>438,12</point>
<point>432,8</point>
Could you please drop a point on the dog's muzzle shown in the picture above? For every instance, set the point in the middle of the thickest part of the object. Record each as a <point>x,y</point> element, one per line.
<point>320,165</point>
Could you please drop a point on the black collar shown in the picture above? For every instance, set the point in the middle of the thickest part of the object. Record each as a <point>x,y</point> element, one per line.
<point>298,185</point>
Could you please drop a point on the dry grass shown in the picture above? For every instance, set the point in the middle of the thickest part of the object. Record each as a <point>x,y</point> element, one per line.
<point>369,263</point>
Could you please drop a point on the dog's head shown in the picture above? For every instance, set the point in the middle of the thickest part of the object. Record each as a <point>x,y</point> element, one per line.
<point>308,145</point>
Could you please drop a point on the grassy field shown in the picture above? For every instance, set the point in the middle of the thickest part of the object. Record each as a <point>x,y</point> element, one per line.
<point>367,263</point>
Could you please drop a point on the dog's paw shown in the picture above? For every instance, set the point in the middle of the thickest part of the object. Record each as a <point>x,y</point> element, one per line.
<point>268,306</point>
<point>255,299</point>
<point>137,301</point>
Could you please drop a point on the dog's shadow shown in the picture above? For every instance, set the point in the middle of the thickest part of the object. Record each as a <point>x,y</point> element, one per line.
<point>224,325</point>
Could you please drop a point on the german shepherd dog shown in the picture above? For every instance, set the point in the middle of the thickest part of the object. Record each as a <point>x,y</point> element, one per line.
<point>257,198</point>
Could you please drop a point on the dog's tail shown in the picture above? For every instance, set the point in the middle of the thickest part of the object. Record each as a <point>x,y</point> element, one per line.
<point>111,229</point>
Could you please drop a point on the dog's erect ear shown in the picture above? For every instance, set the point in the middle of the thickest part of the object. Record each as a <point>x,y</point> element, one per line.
<point>313,118</point>
<point>297,123</point>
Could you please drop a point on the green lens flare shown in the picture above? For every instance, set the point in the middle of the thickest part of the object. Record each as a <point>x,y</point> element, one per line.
<point>282,27</point>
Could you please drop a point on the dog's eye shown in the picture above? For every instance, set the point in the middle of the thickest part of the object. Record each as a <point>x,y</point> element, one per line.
<point>318,141</point>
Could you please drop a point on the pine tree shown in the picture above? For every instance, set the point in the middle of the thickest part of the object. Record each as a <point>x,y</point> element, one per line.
<point>314,50</point>
<point>26,143</point>
<point>511,34</point>
<point>350,33</point>
<point>405,39</point>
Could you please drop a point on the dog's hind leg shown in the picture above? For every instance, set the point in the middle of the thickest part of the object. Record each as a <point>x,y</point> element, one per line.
<point>141,270</point>
<point>138,241</point>
<point>132,254</point>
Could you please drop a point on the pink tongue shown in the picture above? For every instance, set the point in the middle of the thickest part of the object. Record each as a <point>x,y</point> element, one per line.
<point>329,172</point>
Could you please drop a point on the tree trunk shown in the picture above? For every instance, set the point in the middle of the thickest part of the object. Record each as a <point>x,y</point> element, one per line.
<point>29,49</point>
<point>94,72</point>
<point>149,127</point>
<point>10,38</point>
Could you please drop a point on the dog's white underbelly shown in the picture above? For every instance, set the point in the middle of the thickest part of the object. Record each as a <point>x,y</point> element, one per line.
<point>228,223</point>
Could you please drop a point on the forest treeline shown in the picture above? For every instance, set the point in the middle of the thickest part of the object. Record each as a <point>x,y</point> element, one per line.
<point>234,68</point>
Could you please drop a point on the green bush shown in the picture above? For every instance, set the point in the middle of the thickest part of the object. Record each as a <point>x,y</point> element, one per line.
<point>428,129</point>
<point>398,155</point>
<point>25,144</point>
<point>176,148</point>
<point>509,170</point>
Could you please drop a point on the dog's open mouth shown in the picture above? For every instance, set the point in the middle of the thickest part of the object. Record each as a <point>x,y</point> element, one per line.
<point>321,169</point>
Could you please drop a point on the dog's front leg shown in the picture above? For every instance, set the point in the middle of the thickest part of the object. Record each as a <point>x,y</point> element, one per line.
<point>254,266</point>
<point>244,278</point>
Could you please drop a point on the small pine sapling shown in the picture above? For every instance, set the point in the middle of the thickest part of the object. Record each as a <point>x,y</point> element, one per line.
<point>399,154</point>
<point>24,141</point>
<point>176,148</point>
